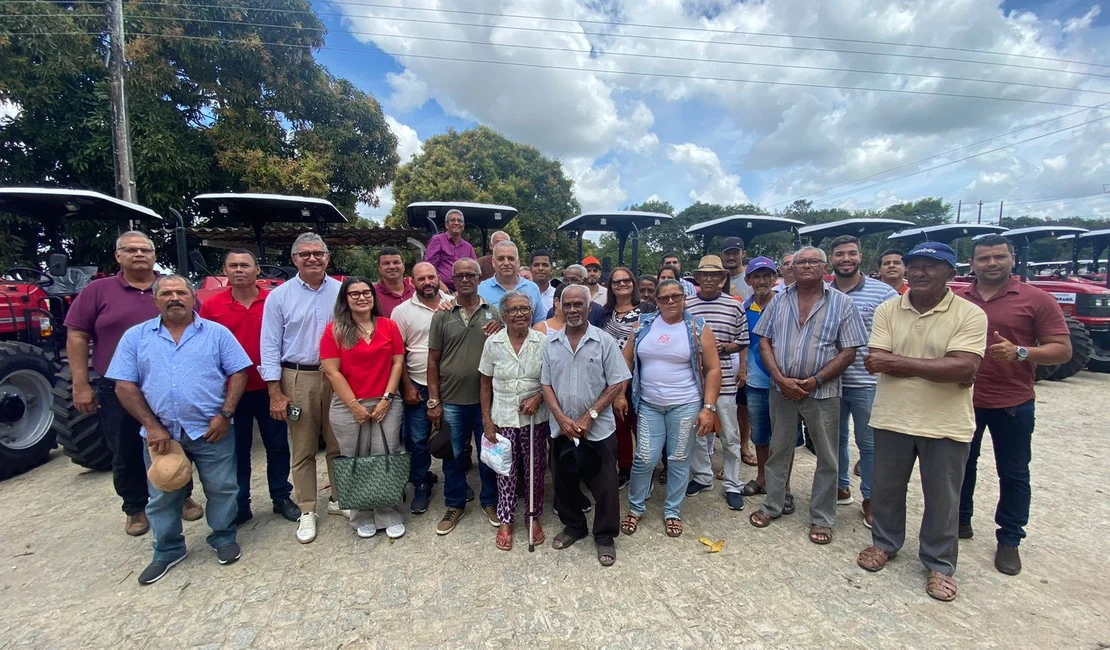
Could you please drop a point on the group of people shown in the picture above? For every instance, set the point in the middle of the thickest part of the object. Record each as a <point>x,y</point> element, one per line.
<point>602,380</point>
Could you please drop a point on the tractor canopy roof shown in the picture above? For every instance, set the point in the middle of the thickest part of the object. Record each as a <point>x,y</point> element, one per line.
<point>479,215</point>
<point>746,226</point>
<point>268,208</point>
<point>620,222</point>
<point>945,233</point>
<point>1024,236</point>
<point>56,205</point>
<point>857,227</point>
<point>1091,237</point>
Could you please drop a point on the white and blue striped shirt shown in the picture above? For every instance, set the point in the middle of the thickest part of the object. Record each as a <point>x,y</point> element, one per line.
<point>867,296</point>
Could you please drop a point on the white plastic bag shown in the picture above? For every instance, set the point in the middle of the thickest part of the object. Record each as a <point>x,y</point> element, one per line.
<point>498,455</point>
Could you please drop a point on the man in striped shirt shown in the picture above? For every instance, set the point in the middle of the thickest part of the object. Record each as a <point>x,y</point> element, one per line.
<point>810,333</point>
<point>726,319</point>
<point>858,385</point>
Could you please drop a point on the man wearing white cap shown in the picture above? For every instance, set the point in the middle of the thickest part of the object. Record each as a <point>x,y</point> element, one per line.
<point>181,377</point>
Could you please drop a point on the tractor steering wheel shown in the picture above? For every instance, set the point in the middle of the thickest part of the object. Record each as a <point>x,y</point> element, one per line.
<point>27,275</point>
<point>271,272</point>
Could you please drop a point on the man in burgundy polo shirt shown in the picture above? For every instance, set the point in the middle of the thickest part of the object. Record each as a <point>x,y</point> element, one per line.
<point>239,309</point>
<point>99,316</point>
<point>393,288</point>
<point>446,248</point>
<point>1025,327</point>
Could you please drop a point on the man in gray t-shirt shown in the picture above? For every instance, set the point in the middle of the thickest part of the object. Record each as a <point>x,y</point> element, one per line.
<point>583,372</point>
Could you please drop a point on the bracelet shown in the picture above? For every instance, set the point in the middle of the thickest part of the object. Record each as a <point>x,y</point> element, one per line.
<point>353,400</point>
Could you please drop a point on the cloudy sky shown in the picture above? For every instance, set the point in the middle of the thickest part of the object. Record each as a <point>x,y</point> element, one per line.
<point>845,102</point>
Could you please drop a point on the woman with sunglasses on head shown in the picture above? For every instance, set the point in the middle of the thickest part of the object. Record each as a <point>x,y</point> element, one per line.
<point>675,385</point>
<point>622,312</point>
<point>362,354</point>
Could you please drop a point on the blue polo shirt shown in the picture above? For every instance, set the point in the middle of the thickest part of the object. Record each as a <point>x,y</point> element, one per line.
<point>491,292</point>
<point>758,376</point>
<point>184,383</point>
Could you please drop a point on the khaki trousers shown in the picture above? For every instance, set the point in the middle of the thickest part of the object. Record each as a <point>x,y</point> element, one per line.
<point>311,392</point>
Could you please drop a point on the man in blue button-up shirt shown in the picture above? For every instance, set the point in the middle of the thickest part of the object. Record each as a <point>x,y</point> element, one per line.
<point>181,377</point>
<point>506,278</point>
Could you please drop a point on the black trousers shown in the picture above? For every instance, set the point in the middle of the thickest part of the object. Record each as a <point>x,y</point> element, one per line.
<point>121,433</point>
<point>603,485</point>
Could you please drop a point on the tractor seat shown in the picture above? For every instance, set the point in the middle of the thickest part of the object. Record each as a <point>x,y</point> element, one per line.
<point>75,279</point>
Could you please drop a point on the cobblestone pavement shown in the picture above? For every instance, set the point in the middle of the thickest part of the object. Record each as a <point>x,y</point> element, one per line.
<point>68,573</point>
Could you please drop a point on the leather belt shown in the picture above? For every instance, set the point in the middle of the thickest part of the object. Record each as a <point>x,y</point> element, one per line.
<point>305,367</point>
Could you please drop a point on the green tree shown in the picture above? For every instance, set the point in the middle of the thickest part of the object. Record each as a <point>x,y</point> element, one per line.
<point>213,107</point>
<point>480,165</point>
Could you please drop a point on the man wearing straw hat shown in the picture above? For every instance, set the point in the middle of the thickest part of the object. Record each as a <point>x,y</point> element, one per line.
<point>181,377</point>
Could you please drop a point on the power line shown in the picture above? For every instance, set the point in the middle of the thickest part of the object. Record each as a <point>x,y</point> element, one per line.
<point>633,36</point>
<point>543,66</point>
<point>1059,199</point>
<point>960,160</point>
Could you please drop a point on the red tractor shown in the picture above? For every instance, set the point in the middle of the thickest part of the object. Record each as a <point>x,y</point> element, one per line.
<point>36,402</point>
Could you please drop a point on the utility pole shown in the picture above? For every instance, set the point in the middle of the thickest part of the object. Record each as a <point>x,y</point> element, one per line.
<point>121,128</point>
<point>980,218</point>
<point>1000,203</point>
<point>959,207</point>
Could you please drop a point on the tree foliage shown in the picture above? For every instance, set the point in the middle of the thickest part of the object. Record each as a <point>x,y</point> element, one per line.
<point>214,106</point>
<point>479,165</point>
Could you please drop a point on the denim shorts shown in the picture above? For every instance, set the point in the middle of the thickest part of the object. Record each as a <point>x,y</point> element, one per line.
<point>759,414</point>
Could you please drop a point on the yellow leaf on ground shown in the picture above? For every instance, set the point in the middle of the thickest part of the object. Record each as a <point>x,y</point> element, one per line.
<point>717,546</point>
<point>706,541</point>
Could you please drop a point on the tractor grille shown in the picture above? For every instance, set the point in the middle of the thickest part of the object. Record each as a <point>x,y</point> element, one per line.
<point>1093,305</point>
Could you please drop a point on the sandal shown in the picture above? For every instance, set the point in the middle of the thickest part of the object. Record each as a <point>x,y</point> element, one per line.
<point>720,475</point>
<point>504,540</point>
<point>564,540</point>
<point>760,519</point>
<point>941,587</point>
<point>820,534</point>
<point>673,527</point>
<point>788,506</point>
<point>630,524</point>
<point>538,536</point>
<point>874,558</point>
<point>748,458</point>
<point>607,555</point>
<point>751,488</point>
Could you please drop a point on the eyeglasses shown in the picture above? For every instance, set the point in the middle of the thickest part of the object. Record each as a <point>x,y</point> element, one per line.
<point>518,311</point>
<point>135,250</point>
<point>669,298</point>
<point>307,255</point>
<point>808,262</point>
<point>466,276</point>
<point>622,281</point>
<point>368,294</point>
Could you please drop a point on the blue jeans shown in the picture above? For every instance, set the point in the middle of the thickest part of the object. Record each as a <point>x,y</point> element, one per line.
<point>417,428</point>
<point>215,462</point>
<point>466,423</point>
<point>856,402</point>
<point>672,426</point>
<point>1012,436</point>
<point>255,405</point>
<point>759,415</point>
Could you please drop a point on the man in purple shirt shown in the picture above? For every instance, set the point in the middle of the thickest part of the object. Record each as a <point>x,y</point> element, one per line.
<point>100,315</point>
<point>448,247</point>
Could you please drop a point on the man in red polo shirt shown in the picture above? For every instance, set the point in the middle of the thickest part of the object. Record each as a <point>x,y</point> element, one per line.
<point>239,309</point>
<point>393,288</point>
<point>1025,327</point>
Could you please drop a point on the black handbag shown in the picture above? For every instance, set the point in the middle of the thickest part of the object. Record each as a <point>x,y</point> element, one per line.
<point>369,482</point>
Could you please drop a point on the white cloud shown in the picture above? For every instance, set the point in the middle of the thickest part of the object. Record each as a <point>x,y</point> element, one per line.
<point>408,142</point>
<point>712,184</point>
<point>597,188</point>
<point>8,111</point>
<point>409,92</point>
<point>1084,21</point>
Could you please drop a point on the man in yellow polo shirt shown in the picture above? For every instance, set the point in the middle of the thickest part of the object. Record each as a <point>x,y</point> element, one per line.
<point>926,346</point>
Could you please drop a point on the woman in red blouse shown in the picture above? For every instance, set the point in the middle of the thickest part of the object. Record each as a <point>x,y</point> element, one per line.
<point>362,354</point>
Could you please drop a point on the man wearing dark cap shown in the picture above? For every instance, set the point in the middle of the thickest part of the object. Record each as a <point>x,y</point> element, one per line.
<point>925,346</point>
<point>732,256</point>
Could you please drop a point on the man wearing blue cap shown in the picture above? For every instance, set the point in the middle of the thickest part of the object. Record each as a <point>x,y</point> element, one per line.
<point>760,275</point>
<point>926,347</point>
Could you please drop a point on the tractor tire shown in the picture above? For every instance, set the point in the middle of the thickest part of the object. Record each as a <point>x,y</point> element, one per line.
<point>79,433</point>
<point>1100,356</point>
<point>1044,372</point>
<point>1081,349</point>
<point>26,408</point>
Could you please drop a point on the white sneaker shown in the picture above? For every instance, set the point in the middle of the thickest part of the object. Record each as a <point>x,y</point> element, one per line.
<point>306,529</point>
<point>395,531</point>
<point>334,509</point>
<point>366,531</point>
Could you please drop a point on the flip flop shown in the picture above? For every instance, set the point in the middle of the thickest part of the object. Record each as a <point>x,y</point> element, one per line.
<point>749,458</point>
<point>564,540</point>
<point>816,532</point>
<point>504,541</point>
<point>760,519</point>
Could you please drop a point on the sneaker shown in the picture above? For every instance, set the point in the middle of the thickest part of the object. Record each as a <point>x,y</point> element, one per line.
<point>420,498</point>
<point>623,478</point>
<point>450,520</point>
<point>243,516</point>
<point>734,500</point>
<point>334,509</point>
<point>396,531</point>
<point>694,488</point>
<point>366,531</point>
<point>844,497</point>
<point>306,528</point>
<point>229,553</point>
<point>966,532</point>
<point>469,494</point>
<point>136,525</point>
<point>491,514</point>
<point>1007,560</point>
<point>191,510</point>
<point>286,508</point>
<point>868,520</point>
<point>156,569</point>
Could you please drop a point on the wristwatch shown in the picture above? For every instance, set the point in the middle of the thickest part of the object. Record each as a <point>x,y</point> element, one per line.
<point>1022,354</point>
<point>388,396</point>
<point>593,414</point>
<point>432,403</point>
<point>712,407</point>
<point>227,414</point>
